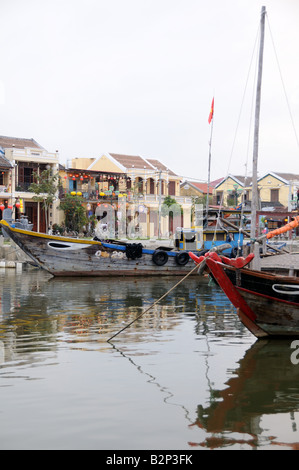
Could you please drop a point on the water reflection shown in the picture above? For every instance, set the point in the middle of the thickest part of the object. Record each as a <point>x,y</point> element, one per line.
<point>232,391</point>
<point>43,307</point>
<point>265,383</point>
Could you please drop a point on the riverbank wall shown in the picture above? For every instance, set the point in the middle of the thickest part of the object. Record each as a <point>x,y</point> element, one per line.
<point>11,256</point>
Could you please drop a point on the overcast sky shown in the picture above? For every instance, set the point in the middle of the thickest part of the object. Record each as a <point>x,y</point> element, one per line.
<point>138,76</point>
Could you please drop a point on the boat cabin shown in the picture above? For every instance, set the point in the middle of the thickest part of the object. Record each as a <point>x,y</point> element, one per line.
<point>197,240</point>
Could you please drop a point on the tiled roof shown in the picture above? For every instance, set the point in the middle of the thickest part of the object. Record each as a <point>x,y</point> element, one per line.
<point>216,182</point>
<point>287,176</point>
<point>10,142</point>
<point>243,180</point>
<point>129,160</point>
<point>160,166</point>
<point>5,164</point>
<point>203,187</point>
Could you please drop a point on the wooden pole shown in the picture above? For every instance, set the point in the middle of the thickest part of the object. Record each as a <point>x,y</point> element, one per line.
<point>254,199</point>
<point>160,206</point>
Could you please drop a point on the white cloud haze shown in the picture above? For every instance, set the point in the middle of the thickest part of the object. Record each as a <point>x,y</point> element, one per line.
<point>138,77</point>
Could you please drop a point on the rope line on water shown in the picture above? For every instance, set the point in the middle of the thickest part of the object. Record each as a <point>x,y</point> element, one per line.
<point>156,302</point>
<point>200,268</point>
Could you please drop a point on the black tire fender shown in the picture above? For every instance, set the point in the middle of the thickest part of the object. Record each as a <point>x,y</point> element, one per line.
<point>182,258</point>
<point>160,257</point>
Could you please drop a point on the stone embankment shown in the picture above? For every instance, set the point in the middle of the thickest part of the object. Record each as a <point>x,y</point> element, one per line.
<point>11,256</point>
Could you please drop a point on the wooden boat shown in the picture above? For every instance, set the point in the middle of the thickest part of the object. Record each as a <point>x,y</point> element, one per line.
<point>62,256</point>
<point>267,304</point>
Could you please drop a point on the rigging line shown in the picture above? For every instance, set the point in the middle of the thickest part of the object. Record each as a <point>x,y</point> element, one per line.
<point>16,248</point>
<point>243,98</point>
<point>239,117</point>
<point>282,81</point>
<point>191,178</point>
<point>251,112</point>
<point>249,133</point>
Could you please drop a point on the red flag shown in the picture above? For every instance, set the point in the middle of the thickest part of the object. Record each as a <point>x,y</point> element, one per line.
<point>211,112</point>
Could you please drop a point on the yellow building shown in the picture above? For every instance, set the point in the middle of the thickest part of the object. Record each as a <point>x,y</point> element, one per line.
<point>276,190</point>
<point>142,181</point>
<point>281,188</point>
<point>232,190</point>
<point>197,190</point>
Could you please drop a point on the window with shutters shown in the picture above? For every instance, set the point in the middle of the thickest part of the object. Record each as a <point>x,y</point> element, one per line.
<point>171,188</point>
<point>274,195</point>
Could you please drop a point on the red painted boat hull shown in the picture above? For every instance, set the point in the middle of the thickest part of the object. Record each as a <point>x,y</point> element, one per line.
<point>267,305</point>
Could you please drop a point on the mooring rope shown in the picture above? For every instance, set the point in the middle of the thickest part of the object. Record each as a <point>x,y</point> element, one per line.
<point>200,268</point>
<point>156,302</point>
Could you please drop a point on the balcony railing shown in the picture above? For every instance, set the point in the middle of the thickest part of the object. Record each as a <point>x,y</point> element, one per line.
<point>23,187</point>
<point>94,196</point>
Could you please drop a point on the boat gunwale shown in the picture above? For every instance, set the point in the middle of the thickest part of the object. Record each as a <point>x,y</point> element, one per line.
<point>105,244</point>
<point>6,225</point>
<point>260,274</point>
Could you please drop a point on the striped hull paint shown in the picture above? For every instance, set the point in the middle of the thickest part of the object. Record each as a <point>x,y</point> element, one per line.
<point>268,305</point>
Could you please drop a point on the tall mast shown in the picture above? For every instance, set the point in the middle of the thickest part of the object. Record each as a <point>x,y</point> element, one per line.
<point>210,120</point>
<point>209,174</point>
<point>254,199</point>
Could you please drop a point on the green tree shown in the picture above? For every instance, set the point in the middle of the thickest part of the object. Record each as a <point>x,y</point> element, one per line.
<point>170,203</point>
<point>75,214</point>
<point>45,187</point>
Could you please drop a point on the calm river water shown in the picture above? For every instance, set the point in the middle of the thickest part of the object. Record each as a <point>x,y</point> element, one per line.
<point>186,375</point>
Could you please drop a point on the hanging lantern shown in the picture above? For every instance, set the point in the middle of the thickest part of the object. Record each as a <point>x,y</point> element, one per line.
<point>2,207</point>
<point>73,193</point>
<point>9,207</point>
<point>65,177</point>
<point>81,178</point>
<point>102,194</point>
<point>79,193</point>
<point>17,205</point>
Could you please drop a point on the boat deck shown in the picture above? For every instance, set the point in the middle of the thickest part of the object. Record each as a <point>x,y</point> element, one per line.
<point>282,264</point>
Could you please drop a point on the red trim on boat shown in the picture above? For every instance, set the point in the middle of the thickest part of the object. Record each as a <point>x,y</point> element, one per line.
<point>276,299</point>
<point>229,289</point>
